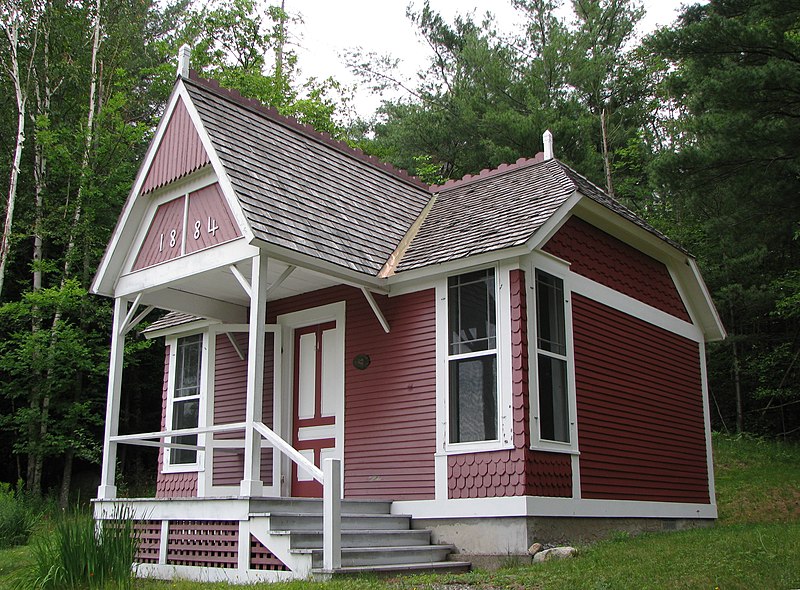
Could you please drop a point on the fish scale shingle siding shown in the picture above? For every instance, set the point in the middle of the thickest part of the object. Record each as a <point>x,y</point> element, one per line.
<point>605,259</point>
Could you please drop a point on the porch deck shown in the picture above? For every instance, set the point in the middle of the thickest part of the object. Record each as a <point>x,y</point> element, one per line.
<point>243,539</point>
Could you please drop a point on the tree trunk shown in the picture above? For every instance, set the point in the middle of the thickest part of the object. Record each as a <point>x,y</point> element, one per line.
<point>737,386</point>
<point>606,156</point>
<point>66,480</point>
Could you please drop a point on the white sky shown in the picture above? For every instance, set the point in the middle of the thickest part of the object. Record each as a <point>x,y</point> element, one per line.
<point>381,26</point>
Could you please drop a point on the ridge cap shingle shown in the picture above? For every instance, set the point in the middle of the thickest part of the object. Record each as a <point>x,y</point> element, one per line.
<point>308,131</point>
<point>488,173</point>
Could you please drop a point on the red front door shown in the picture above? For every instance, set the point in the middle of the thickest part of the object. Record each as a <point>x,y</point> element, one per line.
<point>317,390</point>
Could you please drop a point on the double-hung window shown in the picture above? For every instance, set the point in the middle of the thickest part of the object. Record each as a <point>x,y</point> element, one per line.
<point>186,397</point>
<point>551,359</point>
<point>472,357</point>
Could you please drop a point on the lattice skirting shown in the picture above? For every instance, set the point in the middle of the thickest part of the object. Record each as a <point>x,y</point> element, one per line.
<point>204,543</point>
<point>262,558</point>
<point>149,535</point>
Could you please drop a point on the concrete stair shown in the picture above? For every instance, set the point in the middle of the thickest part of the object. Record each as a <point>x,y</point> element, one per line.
<point>373,539</point>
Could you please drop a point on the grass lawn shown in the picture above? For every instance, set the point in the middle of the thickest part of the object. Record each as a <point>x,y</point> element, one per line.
<point>755,544</point>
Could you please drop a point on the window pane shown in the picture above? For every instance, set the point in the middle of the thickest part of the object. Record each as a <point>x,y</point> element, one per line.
<point>184,415</point>
<point>187,366</point>
<point>550,322</point>
<point>471,306</point>
<point>473,399</point>
<point>553,410</point>
<point>183,456</point>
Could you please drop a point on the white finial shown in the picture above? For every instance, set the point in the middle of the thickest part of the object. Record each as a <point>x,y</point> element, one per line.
<point>547,137</point>
<point>184,55</point>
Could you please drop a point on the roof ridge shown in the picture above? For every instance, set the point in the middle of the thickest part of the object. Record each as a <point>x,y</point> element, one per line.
<point>488,173</point>
<point>304,128</point>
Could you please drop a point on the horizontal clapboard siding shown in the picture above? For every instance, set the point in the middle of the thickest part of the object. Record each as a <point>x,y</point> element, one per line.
<point>230,402</point>
<point>640,409</point>
<point>390,407</point>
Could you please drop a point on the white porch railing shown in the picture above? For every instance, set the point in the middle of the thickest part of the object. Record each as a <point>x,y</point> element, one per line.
<point>330,476</point>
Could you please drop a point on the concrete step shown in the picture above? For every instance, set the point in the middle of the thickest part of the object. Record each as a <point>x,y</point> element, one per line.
<point>376,556</point>
<point>279,521</point>
<point>364,538</point>
<point>314,506</point>
<point>455,567</point>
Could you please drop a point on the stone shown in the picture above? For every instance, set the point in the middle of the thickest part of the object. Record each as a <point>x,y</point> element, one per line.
<point>534,549</point>
<point>554,553</point>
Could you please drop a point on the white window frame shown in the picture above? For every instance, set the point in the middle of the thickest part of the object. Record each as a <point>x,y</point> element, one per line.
<point>504,438</point>
<point>559,269</point>
<point>172,342</point>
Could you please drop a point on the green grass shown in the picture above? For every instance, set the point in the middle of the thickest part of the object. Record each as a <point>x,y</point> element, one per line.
<point>755,544</point>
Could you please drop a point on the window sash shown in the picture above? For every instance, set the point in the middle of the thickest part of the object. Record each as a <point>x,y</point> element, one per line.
<point>472,358</point>
<point>185,405</point>
<point>552,366</point>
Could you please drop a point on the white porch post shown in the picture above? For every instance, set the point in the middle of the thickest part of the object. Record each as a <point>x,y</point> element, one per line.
<point>332,514</point>
<point>251,484</point>
<point>107,490</point>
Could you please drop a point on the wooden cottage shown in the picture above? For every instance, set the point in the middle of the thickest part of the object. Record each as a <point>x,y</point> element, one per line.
<point>363,371</point>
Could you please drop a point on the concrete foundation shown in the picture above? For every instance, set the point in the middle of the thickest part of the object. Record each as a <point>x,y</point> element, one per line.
<point>494,539</point>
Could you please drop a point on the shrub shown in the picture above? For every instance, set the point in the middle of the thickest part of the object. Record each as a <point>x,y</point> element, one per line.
<point>78,554</point>
<point>17,517</point>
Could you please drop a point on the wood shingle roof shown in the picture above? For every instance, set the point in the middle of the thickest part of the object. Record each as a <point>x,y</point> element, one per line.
<point>303,191</point>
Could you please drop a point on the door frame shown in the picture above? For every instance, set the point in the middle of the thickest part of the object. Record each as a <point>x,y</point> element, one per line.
<point>285,402</point>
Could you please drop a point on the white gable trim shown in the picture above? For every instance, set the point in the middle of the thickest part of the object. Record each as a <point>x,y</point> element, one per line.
<point>133,214</point>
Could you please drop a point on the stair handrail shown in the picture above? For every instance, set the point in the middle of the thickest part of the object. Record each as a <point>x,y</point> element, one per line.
<point>331,480</point>
<point>288,450</point>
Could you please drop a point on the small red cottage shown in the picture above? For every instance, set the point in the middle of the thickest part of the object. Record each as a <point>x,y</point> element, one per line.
<point>365,372</point>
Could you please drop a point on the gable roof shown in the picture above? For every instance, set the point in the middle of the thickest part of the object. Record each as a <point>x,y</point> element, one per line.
<point>302,190</point>
<point>501,208</point>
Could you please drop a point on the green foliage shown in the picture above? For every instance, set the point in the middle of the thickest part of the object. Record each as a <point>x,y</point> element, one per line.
<point>78,554</point>
<point>17,516</point>
<point>733,177</point>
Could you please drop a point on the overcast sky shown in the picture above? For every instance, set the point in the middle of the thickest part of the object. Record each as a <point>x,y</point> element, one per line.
<point>381,26</point>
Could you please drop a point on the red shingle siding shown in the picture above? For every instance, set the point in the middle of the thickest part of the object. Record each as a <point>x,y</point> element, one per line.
<point>520,471</point>
<point>603,258</point>
<point>172,485</point>
<point>640,410</point>
<point>179,153</point>
<point>390,408</point>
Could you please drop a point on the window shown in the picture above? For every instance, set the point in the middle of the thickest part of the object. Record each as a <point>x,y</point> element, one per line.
<point>186,396</point>
<point>551,359</point>
<point>472,357</point>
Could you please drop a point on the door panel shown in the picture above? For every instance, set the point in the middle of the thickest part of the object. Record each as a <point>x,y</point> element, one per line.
<point>318,397</point>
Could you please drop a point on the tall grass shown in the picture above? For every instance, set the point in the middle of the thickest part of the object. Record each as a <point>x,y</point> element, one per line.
<point>77,554</point>
<point>17,516</point>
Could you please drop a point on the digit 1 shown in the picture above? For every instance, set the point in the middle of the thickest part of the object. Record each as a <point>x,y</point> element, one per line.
<point>161,243</point>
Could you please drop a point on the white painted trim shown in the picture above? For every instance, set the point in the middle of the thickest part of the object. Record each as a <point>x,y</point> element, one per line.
<point>102,283</point>
<point>211,574</point>
<point>107,488</point>
<point>715,328</point>
<point>545,506</point>
<point>205,479</point>
<point>576,477</point>
<point>633,307</point>
<point>346,276</point>
<point>167,273</point>
<point>376,310</point>
<point>251,484</point>
<point>550,227</point>
<point>505,426</point>
<point>410,281</point>
<point>283,410</point>
<point>707,424</point>
<point>242,280</point>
